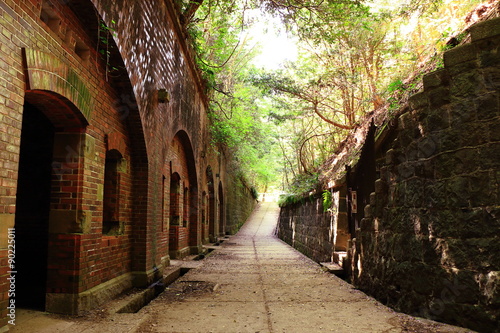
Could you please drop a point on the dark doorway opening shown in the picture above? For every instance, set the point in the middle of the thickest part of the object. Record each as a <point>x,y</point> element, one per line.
<point>33,208</point>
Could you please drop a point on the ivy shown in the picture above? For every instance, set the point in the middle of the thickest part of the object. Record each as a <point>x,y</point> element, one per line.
<point>327,200</point>
<point>106,46</point>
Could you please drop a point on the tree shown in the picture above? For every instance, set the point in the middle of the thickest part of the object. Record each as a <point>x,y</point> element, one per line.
<point>352,52</point>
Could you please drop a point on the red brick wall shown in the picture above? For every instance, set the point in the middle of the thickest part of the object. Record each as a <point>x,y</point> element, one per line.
<point>58,68</point>
<point>79,258</point>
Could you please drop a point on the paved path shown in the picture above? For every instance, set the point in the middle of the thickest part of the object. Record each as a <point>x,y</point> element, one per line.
<point>256,283</point>
<point>263,285</point>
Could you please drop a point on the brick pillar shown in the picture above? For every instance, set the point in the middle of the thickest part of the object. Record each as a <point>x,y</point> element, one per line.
<point>67,222</point>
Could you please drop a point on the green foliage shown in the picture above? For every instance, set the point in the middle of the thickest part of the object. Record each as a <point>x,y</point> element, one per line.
<point>304,183</point>
<point>394,86</point>
<point>290,199</point>
<point>327,200</point>
<point>316,21</point>
<point>422,6</point>
<point>106,46</point>
<point>285,123</point>
<point>254,193</point>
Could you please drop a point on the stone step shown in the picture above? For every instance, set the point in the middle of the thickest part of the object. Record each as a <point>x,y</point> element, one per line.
<point>332,267</point>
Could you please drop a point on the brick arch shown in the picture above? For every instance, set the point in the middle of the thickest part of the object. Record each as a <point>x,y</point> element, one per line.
<point>52,154</point>
<point>46,72</point>
<point>211,213</point>
<point>125,103</point>
<point>193,198</point>
<point>62,113</point>
<point>183,137</point>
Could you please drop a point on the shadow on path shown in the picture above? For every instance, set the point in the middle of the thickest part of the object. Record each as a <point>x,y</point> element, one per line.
<point>253,282</point>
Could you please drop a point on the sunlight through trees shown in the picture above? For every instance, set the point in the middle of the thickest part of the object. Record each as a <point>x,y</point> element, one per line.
<point>283,123</point>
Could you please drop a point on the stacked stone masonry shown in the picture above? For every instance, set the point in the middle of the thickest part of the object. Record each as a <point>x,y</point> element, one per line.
<point>429,241</point>
<point>90,146</point>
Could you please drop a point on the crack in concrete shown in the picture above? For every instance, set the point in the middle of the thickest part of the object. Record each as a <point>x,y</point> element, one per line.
<point>261,279</point>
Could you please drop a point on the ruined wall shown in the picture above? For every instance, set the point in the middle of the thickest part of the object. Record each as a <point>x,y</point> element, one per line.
<point>430,246</point>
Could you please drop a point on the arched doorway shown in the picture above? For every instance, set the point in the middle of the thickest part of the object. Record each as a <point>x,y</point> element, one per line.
<point>33,207</point>
<point>177,236</point>
<point>212,228</point>
<point>204,217</point>
<point>184,164</point>
<point>48,181</point>
<point>222,214</point>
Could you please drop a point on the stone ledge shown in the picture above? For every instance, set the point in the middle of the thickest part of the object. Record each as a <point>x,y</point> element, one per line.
<point>485,29</point>
<point>75,304</point>
<point>419,100</point>
<point>435,79</point>
<point>460,54</point>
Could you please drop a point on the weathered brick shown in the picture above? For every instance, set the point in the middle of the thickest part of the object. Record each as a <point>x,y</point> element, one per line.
<point>76,97</point>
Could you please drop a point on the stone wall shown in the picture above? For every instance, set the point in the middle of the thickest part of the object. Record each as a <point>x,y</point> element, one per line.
<point>429,241</point>
<point>239,195</point>
<point>317,233</point>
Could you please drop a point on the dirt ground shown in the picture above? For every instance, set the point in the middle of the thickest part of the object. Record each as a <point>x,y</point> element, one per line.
<point>253,283</point>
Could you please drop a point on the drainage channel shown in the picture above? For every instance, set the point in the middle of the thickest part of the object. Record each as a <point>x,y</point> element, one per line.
<point>202,256</point>
<point>144,297</point>
<point>134,303</point>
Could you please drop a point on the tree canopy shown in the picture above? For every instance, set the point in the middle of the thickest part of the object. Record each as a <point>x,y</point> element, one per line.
<point>282,124</point>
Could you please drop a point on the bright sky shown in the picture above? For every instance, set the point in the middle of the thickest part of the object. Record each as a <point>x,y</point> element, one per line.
<point>276,45</point>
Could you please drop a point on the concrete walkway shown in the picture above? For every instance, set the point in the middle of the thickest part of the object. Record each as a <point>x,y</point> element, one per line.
<point>253,283</point>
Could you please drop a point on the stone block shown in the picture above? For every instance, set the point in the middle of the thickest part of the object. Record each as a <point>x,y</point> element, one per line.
<point>408,137</point>
<point>488,156</point>
<point>456,192</point>
<point>482,190</point>
<point>487,106</point>
<point>467,84</point>
<point>439,97</point>
<point>6,221</point>
<point>438,119</point>
<point>492,78</point>
<point>419,101</point>
<point>396,195</point>
<point>76,304</point>
<point>486,29</point>
<point>63,221</point>
<point>435,195</point>
<point>373,199</point>
<point>473,253</point>
<point>488,54</point>
<point>89,147</point>
<point>460,54</point>
<point>494,130</point>
<point>462,111</point>
<point>405,171</point>
<point>489,284</point>
<point>391,157</point>
<point>380,187</point>
<point>436,79</point>
<point>368,211</point>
